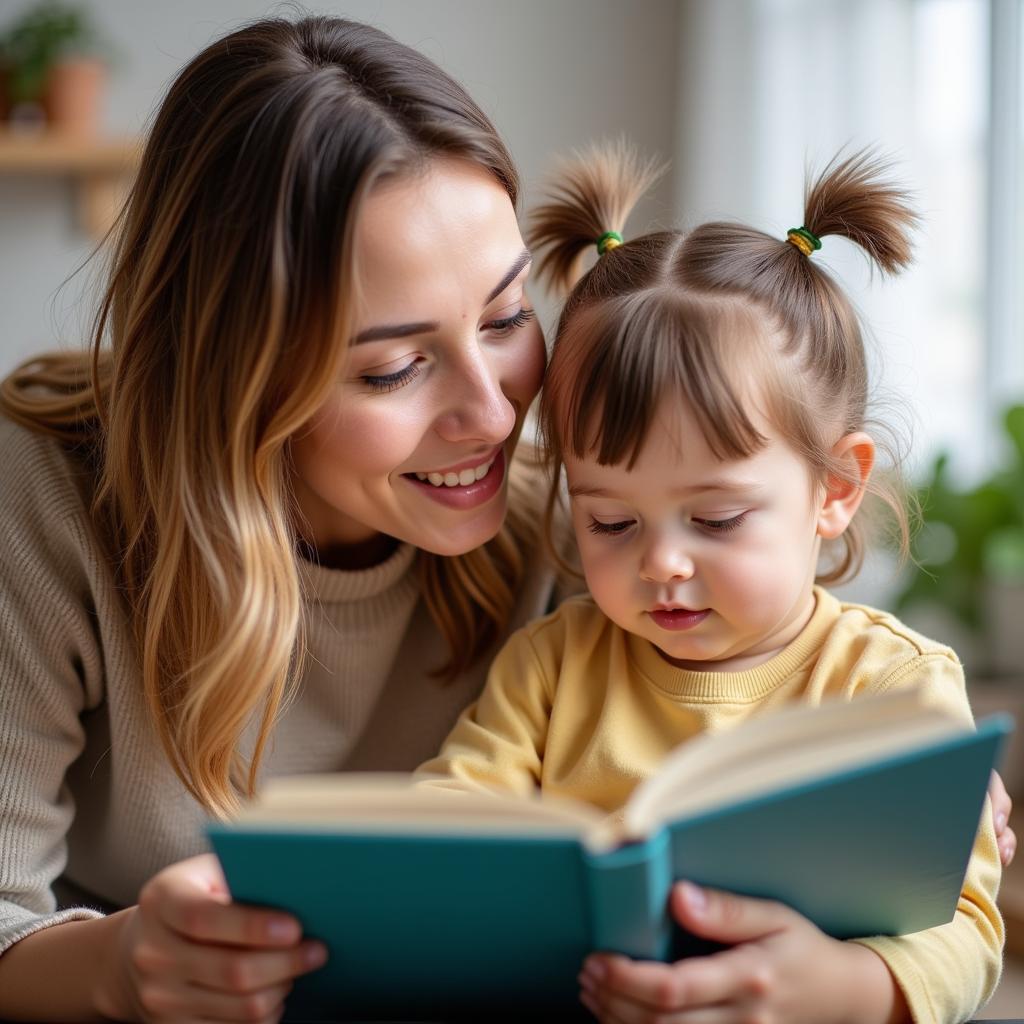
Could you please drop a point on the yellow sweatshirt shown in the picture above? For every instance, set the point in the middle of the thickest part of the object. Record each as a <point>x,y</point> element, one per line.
<point>578,707</point>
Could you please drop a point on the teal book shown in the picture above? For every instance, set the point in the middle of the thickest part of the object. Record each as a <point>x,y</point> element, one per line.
<point>439,904</point>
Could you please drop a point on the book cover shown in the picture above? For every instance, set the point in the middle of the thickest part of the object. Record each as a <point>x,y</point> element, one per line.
<point>431,922</point>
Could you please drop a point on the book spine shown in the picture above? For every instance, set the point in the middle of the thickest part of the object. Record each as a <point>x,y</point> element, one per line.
<point>628,892</point>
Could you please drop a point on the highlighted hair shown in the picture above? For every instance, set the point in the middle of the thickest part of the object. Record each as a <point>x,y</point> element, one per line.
<point>227,295</point>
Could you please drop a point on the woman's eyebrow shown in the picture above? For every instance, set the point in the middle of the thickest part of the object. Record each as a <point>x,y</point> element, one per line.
<point>522,260</point>
<point>425,327</point>
<point>395,331</point>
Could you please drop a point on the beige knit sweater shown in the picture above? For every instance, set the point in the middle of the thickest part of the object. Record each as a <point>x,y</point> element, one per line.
<point>86,795</point>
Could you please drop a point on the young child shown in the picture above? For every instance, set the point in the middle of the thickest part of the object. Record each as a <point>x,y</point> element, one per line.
<point>707,397</point>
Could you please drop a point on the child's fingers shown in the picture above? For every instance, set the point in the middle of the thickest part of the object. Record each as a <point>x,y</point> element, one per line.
<point>726,917</point>
<point>1007,846</point>
<point>1002,805</point>
<point>657,988</point>
<point>611,1008</point>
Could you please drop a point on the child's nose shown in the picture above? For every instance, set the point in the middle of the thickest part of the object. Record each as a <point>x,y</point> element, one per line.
<point>665,563</point>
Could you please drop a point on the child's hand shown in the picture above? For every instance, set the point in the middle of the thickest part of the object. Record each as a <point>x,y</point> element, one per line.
<point>1001,807</point>
<point>781,967</point>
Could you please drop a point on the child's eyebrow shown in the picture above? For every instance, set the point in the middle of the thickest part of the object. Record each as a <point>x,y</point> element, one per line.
<point>716,486</point>
<point>727,486</point>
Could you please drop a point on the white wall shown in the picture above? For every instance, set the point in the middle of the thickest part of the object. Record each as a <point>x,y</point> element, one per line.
<point>552,75</point>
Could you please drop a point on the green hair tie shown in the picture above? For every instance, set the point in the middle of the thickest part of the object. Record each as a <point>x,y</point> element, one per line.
<point>609,240</point>
<point>803,240</point>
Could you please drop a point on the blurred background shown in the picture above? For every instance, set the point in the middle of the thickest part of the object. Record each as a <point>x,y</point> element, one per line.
<point>742,96</point>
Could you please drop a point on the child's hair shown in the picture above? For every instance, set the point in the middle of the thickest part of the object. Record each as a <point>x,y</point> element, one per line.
<point>680,313</point>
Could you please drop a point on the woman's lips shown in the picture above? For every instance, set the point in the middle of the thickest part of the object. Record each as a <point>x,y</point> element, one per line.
<point>468,496</point>
<point>678,618</point>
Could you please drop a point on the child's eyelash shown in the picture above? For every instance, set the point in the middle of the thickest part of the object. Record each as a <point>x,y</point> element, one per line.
<point>391,381</point>
<point>514,322</point>
<point>722,525</point>
<point>714,525</point>
<point>609,528</point>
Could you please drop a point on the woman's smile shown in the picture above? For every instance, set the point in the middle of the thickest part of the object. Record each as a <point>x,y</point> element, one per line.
<point>469,487</point>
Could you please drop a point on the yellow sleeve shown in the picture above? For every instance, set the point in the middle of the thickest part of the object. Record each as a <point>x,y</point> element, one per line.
<point>498,742</point>
<point>947,973</point>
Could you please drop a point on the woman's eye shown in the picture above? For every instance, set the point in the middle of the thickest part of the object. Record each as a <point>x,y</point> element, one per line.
<point>511,323</point>
<point>722,525</point>
<point>609,528</point>
<point>391,381</point>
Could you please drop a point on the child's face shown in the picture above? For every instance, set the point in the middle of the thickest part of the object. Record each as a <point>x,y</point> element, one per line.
<point>713,562</point>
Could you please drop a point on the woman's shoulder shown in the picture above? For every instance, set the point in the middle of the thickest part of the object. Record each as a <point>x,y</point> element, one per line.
<point>37,472</point>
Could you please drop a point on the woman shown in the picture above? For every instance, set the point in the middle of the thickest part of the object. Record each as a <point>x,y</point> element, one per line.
<point>320,346</point>
<point>265,530</point>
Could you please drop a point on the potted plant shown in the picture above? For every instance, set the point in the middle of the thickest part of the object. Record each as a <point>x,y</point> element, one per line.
<point>969,555</point>
<point>969,565</point>
<point>54,66</point>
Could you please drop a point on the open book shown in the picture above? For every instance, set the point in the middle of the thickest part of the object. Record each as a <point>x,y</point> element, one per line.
<point>438,902</point>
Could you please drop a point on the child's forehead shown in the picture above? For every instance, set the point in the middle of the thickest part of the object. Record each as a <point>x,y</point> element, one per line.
<point>677,460</point>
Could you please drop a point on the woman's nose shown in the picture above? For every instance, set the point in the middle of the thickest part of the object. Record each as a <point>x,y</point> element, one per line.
<point>476,407</point>
<point>666,560</point>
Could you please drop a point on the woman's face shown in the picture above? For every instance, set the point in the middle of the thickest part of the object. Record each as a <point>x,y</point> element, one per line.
<point>416,438</point>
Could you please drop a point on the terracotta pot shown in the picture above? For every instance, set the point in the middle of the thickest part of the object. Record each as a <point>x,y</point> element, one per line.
<point>74,93</point>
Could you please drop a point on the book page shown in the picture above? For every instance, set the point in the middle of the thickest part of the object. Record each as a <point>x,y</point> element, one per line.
<point>782,749</point>
<point>395,804</point>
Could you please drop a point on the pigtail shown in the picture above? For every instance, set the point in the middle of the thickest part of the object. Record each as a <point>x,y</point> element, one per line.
<point>853,198</point>
<point>593,193</point>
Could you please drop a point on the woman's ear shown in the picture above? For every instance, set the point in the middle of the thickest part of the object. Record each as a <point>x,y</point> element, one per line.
<point>843,496</point>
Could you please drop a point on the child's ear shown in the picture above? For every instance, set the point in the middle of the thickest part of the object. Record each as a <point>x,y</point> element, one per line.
<point>843,496</point>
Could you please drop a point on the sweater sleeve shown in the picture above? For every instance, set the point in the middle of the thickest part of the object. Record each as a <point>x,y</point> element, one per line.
<point>50,671</point>
<point>498,742</point>
<point>947,973</point>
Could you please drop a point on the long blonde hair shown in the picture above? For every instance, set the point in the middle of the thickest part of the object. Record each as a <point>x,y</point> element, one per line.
<point>230,271</point>
<point>675,312</point>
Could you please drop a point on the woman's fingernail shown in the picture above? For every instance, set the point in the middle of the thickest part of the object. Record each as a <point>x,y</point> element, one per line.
<point>587,983</point>
<point>283,929</point>
<point>316,954</point>
<point>589,1002</point>
<point>694,896</point>
<point>1000,822</point>
<point>595,970</point>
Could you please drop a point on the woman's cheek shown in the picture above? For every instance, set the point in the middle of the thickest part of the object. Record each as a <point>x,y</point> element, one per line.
<point>365,442</point>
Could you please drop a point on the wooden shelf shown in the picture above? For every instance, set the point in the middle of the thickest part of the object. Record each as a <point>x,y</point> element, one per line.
<point>100,170</point>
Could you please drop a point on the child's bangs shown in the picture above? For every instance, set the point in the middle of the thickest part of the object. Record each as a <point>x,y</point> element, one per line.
<point>617,361</point>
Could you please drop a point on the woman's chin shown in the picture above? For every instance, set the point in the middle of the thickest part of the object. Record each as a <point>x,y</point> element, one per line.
<point>460,538</point>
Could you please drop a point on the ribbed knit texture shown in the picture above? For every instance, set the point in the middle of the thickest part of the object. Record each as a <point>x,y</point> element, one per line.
<point>582,709</point>
<point>84,786</point>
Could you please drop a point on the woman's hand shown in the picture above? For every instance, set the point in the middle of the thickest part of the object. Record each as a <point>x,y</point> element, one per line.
<point>780,967</point>
<point>1001,807</point>
<point>187,953</point>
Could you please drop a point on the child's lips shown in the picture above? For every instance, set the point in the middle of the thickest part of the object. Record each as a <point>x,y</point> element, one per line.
<point>676,619</point>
